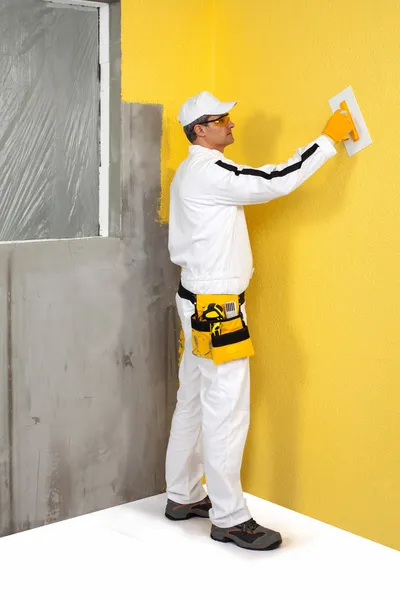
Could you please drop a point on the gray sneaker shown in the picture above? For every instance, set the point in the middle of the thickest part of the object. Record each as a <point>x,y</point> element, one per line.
<point>248,535</point>
<point>181,512</point>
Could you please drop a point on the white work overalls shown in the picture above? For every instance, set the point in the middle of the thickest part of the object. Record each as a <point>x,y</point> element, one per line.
<point>208,239</point>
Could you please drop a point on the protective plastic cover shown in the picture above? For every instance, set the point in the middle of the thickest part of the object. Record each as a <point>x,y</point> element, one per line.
<point>49,121</point>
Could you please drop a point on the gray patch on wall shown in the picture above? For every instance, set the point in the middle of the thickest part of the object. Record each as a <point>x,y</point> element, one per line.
<point>150,288</point>
<point>94,355</point>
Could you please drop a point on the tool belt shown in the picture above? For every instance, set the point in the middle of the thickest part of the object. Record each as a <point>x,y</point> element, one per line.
<point>216,335</point>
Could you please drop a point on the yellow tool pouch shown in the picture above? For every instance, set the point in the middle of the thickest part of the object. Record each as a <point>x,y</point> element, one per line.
<point>218,338</point>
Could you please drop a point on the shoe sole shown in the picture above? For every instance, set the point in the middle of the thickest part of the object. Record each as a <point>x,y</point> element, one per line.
<point>188,516</point>
<point>226,540</point>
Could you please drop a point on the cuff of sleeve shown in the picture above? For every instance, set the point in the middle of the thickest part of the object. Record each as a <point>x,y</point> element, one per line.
<point>327,145</point>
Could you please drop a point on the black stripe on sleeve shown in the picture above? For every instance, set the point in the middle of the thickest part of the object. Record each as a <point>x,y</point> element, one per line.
<point>274,174</point>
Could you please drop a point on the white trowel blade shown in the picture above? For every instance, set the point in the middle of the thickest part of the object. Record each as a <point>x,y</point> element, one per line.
<point>365,138</point>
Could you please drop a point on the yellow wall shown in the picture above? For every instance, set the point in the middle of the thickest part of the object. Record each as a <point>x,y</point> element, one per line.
<point>324,438</point>
<point>166,58</point>
<point>325,433</point>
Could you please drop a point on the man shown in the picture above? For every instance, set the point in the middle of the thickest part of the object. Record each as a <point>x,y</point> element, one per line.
<point>208,239</point>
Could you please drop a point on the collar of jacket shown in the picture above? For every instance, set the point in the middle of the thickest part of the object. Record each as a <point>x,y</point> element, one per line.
<point>200,150</point>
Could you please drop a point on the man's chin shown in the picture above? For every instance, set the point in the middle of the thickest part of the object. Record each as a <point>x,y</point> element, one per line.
<point>230,140</point>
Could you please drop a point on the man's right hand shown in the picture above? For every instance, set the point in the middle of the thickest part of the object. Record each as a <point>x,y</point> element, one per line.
<point>339,126</point>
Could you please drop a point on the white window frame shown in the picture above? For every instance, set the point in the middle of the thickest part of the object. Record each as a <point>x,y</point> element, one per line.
<point>104,65</point>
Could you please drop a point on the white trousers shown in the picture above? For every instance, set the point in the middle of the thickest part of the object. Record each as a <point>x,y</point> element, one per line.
<point>209,431</point>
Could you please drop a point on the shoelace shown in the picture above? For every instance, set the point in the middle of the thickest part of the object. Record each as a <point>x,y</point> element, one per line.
<point>250,525</point>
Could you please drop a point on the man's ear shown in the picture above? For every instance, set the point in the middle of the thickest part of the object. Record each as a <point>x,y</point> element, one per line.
<point>199,130</point>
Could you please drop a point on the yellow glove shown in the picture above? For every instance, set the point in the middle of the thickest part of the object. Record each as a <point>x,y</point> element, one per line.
<point>339,126</point>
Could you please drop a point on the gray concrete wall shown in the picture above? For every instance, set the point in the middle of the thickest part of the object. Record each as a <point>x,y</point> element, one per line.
<point>88,355</point>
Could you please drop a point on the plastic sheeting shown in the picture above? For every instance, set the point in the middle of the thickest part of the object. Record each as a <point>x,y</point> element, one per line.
<point>49,121</point>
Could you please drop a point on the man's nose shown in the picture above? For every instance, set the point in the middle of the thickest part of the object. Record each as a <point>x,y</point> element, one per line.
<point>231,124</point>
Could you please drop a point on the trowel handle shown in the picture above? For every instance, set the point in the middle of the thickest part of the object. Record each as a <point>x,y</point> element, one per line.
<point>353,133</point>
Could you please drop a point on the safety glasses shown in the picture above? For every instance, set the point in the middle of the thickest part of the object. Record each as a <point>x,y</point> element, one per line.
<point>221,121</point>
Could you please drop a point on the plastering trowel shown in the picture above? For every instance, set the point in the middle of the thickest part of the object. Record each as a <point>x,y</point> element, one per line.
<point>359,136</point>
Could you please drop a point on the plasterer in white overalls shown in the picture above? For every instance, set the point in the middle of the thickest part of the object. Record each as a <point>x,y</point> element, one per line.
<point>208,239</point>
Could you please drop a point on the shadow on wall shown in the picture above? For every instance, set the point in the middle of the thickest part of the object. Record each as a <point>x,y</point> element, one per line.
<point>279,369</point>
<point>167,173</point>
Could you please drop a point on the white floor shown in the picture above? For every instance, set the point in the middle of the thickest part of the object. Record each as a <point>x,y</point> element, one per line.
<point>132,552</point>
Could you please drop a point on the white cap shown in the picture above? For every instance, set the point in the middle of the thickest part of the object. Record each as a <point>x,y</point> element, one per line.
<point>202,104</point>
